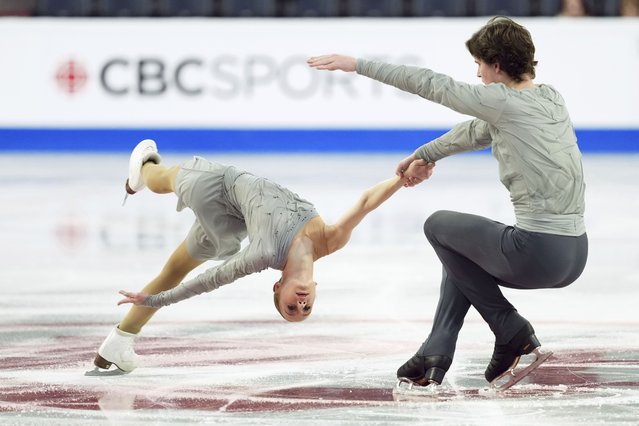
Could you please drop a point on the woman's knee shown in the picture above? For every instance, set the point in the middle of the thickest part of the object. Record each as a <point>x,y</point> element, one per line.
<point>180,263</point>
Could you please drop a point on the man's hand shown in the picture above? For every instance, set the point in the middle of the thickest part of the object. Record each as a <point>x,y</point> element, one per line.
<point>333,63</point>
<point>417,172</point>
<point>130,297</point>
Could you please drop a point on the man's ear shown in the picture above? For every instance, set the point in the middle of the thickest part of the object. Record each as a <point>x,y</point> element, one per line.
<point>277,286</point>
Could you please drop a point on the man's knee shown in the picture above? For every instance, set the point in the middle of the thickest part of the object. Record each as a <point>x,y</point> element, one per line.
<point>435,223</point>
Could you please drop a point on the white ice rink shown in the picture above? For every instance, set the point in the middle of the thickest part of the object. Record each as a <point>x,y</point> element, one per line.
<point>68,246</point>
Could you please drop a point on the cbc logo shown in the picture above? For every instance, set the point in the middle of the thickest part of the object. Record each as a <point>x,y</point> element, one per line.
<point>222,77</point>
<point>71,76</point>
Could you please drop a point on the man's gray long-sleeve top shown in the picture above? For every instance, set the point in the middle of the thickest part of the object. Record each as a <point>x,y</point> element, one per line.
<point>530,132</point>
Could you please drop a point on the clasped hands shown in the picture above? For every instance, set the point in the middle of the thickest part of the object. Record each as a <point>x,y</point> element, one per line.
<point>414,170</point>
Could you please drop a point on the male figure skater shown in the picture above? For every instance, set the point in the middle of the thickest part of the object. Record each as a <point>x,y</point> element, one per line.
<point>528,127</point>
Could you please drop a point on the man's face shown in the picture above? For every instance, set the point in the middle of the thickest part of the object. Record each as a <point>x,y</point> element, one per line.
<point>296,299</point>
<point>487,72</point>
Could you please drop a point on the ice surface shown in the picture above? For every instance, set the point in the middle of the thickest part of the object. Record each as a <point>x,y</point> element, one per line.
<point>227,358</point>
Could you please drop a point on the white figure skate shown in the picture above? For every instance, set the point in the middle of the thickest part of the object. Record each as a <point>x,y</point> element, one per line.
<point>117,349</point>
<point>144,152</point>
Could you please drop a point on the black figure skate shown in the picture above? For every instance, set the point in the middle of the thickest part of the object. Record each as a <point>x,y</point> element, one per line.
<point>506,357</point>
<point>421,371</point>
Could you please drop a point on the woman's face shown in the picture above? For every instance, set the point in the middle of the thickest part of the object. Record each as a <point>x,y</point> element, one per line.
<point>296,299</point>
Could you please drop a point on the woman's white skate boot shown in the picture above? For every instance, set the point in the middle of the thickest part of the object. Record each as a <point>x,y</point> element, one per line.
<point>144,152</point>
<point>117,349</point>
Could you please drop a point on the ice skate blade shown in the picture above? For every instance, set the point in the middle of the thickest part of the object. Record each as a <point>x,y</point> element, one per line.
<point>128,189</point>
<point>407,388</point>
<point>514,375</point>
<point>98,372</point>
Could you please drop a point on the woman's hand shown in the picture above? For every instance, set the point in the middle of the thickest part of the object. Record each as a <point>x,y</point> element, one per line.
<point>333,63</point>
<point>131,297</point>
<point>403,165</point>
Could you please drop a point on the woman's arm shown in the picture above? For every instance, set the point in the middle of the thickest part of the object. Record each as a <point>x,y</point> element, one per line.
<point>239,265</point>
<point>373,198</point>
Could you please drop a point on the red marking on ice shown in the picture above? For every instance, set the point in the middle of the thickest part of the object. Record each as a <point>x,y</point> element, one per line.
<point>60,347</point>
<point>328,393</point>
<point>13,398</point>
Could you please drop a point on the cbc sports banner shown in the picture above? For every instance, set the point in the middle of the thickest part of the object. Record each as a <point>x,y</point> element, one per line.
<point>224,75</point>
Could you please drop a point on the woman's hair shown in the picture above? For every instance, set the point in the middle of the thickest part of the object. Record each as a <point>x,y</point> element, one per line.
<point>503,41</point>
<point>276,298</point>
<point>276,301</point>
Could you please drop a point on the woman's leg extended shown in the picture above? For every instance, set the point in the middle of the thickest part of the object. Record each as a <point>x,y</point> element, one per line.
<point>179,264</point>
<point>159,178</point>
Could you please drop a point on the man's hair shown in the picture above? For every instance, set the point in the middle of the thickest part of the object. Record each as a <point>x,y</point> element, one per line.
<point>503,41</point>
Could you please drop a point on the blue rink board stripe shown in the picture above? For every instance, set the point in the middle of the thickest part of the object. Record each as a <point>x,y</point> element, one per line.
<point>265,140</point>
